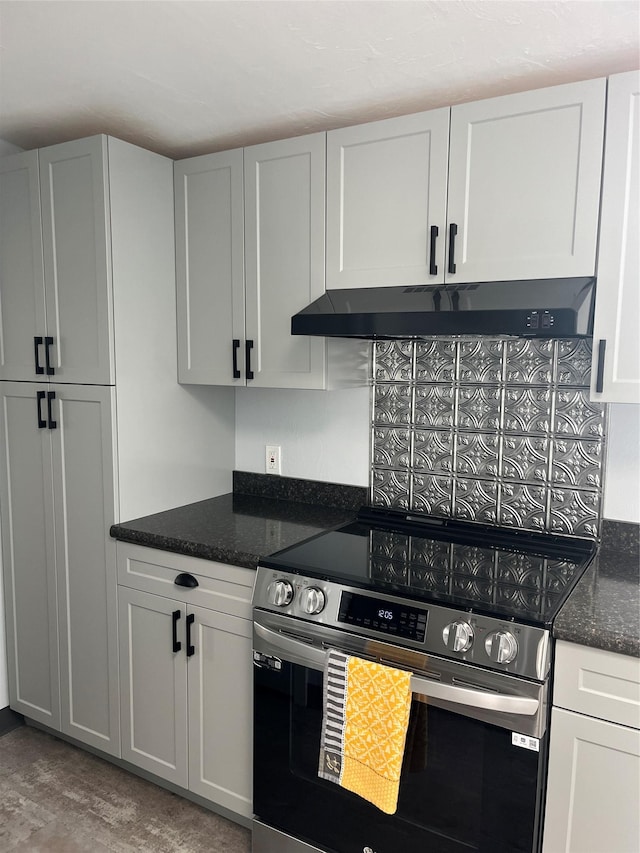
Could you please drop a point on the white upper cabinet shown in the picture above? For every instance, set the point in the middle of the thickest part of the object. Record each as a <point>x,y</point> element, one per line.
<point>386,193</point>
<point>250,253</point>
<point>74,341</point>
<point>210,268</point>
<point>524,184</point>
<point>284,252</point>
<point>77,260</point>
<point>22,302</point>
<point>616,343</point>
<point>520,199</point>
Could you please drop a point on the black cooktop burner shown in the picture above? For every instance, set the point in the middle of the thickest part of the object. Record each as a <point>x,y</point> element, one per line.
<point>520,575</point>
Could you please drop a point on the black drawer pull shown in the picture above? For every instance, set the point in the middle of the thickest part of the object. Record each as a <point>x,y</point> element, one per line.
<point>236,347</point>
<point>177,645</point>
<point>51,396</point>
<point>433,267</point>
<point>190,649</point>
<point>48,342</point>
<point>41,421</point>
<point>37,342</point>
<point>602,346</point>
<point>247,350</point>
<point>453,230</point>
<point>185,579</point>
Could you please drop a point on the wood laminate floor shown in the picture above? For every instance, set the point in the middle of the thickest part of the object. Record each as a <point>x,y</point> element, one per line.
<point>56,798</point>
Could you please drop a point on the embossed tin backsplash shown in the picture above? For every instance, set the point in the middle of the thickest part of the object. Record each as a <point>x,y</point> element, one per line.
<point>496,431</point>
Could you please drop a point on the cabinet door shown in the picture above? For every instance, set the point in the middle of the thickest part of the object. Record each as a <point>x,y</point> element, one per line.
<point>154,684</point>
<point>524,184</point>
<point>221,709</point>
<point>83,475</point>
<point>77,259</point>
<point>593,787</point>
<point>386,190</point>
<point>28,540</point>
<point>22,305</point>
<point>616,366</point>
<point>210,268</point>
<point>284,234</point>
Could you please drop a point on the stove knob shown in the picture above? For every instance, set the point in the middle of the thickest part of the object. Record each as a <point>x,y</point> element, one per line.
<point>280,593</point>
<point>501,646</point>
<point>458,636</point>
<point>312,600</point>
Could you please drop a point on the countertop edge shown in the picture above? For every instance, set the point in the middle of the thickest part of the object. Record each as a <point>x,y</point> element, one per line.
<point>189,549</point>
<point>606,641</point>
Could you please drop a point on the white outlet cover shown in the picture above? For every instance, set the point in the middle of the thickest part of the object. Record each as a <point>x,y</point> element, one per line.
<point>273,459</point>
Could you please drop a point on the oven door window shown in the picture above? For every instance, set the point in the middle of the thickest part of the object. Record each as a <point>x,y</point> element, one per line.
<point>464,786</point>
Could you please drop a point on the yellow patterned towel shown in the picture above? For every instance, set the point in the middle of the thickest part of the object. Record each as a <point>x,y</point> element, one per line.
<point>366,713</point>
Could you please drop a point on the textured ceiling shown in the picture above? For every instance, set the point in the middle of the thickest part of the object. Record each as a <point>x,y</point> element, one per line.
<point>183,78</point>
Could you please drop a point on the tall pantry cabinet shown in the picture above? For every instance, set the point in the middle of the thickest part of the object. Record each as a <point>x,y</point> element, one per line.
<point>93,425</point>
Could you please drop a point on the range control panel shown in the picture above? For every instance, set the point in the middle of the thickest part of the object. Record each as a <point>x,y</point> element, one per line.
<point>494,643</point>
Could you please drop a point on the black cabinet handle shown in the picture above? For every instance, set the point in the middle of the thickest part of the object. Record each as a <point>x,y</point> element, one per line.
<point>185,579</point>
<point>247,350</point>
<point>190,649</point>
<point>48,342</point>
<point>51,396</point>
<point>453,230</point>
<point>236,347</point>
<point>433,267</point>
<point>37,342</point>
<point>177,645</point>
<point>602,346</point>
<point>41,421</point>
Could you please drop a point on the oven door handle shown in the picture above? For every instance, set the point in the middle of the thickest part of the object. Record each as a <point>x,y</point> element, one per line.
<point>314,657</point>
<point>482,699</point>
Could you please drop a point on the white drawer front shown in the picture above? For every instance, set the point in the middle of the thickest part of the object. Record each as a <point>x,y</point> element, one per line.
<point>598,683</point>
<point>220,586</point>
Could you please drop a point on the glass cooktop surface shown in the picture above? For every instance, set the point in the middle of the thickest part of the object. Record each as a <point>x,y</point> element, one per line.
<point>520,575</point>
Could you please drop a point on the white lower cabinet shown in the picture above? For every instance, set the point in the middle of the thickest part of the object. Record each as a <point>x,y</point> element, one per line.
<point>186,674</point>
<point>594,756</point>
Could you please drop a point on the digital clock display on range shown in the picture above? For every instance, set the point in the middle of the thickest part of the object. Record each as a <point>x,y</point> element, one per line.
<point>397,620</point>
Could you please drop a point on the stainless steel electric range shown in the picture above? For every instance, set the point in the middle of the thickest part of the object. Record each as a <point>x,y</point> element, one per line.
<point>468,610</point>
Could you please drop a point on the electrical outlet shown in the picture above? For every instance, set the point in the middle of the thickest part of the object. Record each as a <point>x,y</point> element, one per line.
<point>273,459</point>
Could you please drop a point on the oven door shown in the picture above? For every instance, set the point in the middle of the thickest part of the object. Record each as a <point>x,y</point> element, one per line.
<point>473,772</point>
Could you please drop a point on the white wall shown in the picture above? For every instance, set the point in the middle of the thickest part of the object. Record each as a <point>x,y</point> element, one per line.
<point>5,148</point>
<point>324,436</point>
<point>622,472</point>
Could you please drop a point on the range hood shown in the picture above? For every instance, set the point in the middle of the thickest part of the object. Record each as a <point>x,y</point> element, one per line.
<point>540,308</point>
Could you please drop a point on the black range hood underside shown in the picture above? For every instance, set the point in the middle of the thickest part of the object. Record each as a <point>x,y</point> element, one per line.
<point>540,308</point>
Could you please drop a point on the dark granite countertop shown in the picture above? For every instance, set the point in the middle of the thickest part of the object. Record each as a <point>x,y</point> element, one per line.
<point>265,514</point>
<point>240,528</point>
<point>603,611</point>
